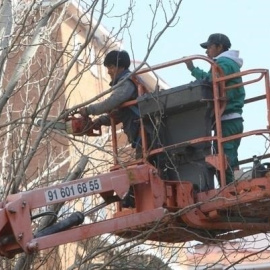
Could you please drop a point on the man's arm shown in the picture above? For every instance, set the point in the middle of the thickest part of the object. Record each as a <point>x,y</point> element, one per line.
<point>200,74</point>
<point>119,95</point>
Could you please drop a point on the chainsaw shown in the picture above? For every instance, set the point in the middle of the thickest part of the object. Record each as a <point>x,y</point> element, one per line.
<point>75,125</point>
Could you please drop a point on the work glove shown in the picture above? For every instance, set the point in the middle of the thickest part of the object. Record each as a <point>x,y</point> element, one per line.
<point>97,124</point>
<point>83,111</point>
<point>190,65</point>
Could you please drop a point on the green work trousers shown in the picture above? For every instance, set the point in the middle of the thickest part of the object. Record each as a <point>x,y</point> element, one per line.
<point>229,128</point>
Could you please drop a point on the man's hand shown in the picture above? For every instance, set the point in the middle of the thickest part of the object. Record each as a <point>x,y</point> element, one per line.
<point>83,112</point>
<point>96,124</point>
<point>189,65</point>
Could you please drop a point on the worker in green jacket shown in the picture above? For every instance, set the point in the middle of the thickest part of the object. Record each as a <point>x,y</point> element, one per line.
<point>217,48</point>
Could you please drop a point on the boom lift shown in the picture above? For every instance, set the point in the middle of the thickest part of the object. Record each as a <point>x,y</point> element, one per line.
<point>173,182</point>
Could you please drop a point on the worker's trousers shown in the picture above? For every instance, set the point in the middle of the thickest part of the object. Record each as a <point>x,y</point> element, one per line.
<point>229,128</point>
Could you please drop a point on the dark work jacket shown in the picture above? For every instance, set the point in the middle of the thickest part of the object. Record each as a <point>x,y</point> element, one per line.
<point>129,116</point>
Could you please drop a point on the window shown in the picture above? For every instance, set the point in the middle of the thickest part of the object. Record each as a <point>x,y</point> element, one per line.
<point>76,46</point>
<point>93,64</point>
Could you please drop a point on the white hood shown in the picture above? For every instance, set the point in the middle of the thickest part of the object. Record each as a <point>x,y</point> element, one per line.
<point>232,54</point>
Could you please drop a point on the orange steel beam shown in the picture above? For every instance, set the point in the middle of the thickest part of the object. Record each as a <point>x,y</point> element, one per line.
<point>16,216</point>
<point>98,228</point>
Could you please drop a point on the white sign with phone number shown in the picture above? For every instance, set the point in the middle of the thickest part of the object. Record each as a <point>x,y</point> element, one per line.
<point>73,190</point>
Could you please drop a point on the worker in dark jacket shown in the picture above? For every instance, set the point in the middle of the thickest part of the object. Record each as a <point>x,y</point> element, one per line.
<point>217,48</point>
<point>117,63</point>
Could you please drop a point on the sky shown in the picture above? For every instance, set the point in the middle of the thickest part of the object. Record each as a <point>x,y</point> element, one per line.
<point>245,22</point>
